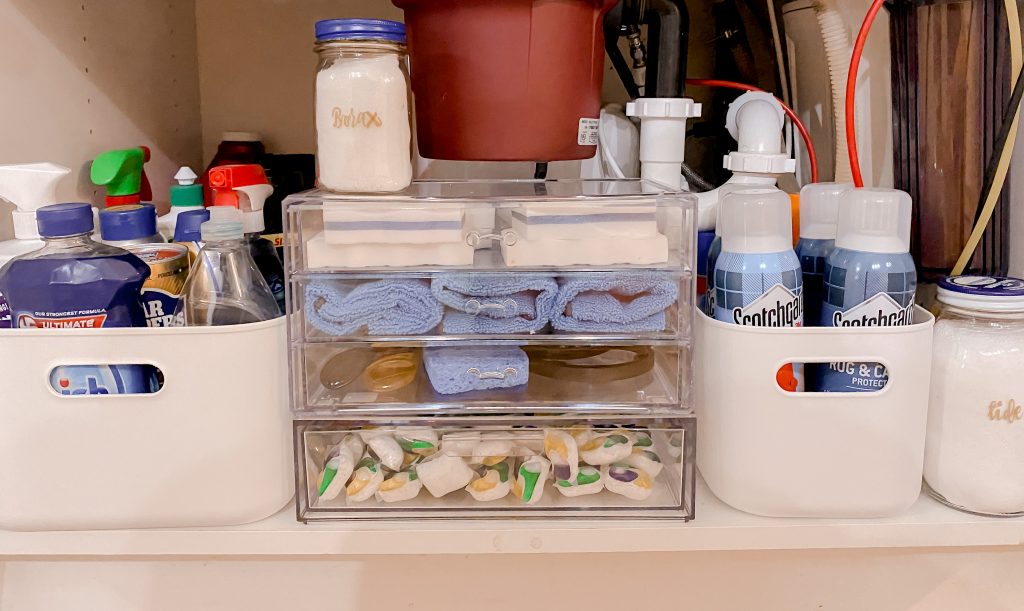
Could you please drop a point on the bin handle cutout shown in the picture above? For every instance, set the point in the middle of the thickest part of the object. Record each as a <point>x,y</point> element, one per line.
<point>98,380</point>
<point>836,377</point>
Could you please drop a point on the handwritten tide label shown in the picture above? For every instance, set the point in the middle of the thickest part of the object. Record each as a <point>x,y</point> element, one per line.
<point>341,118</point>
<point>1009,412</point>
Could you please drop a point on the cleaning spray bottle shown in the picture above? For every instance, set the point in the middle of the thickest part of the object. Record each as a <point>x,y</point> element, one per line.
<point>758,282</point>
<point>28,186</point>
<point>186,196</point>
<point>122,173</point>
<point>246,188</point>
<point>870,279</point>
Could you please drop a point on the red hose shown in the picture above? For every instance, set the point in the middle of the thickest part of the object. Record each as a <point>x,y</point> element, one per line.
<point>804,134</point>
<point>851,91</point>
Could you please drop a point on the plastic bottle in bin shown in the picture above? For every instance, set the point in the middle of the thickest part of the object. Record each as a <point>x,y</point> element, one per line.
<point>73,282</point>
<point>246,188</point>
<point>187,231</point>
<point>757,276</point>
<point>225,287</point>
<point>870,279</point>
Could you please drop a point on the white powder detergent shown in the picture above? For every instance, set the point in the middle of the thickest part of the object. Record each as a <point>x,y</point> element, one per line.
<point>362,123</point>
<point>974,457</point>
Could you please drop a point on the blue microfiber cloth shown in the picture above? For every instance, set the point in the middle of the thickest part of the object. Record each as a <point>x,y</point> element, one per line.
<point>385,307</point>
<point>614,303</point>
<point>495,303</point>
<point>458,370</point>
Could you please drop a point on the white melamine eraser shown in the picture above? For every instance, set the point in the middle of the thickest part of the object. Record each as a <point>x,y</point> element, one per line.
<point>321,255</point>
<point>594,251</point>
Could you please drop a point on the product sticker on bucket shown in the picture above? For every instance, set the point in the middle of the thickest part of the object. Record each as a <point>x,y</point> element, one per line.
<point>587,135</point>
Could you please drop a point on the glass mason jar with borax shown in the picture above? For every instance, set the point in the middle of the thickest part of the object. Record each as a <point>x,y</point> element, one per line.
<point>975,446</point>
<point>363,125</point>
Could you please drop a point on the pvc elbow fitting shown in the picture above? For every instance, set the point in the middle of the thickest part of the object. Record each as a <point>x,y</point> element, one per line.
<point>755,120</point>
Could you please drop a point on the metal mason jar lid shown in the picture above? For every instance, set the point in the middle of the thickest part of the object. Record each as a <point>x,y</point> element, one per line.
<point>983,293</point>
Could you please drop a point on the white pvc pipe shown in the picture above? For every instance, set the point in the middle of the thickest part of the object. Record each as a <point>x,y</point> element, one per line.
<point>759,126</point>
<point>663,137</point>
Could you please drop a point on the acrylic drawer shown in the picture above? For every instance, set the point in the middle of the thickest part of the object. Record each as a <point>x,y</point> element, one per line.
<point>490,225</point>
<point>348,379</point>
<point>444,468</point>
<point>447,305</point>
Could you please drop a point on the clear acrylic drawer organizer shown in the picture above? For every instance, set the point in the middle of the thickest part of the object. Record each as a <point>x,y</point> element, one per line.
<point>521,301</point>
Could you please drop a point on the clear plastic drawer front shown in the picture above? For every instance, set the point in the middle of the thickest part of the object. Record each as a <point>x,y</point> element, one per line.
<point>478,468</point>
<point>353,378</point>
<point>493,225</point>
<point>552,306</point>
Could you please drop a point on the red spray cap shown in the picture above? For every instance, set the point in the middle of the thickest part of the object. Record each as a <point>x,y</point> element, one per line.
<point>225,179</point>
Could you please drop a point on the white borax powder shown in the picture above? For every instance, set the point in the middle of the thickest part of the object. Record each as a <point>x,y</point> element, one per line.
<point>975,449</point>
<point>362,125</point>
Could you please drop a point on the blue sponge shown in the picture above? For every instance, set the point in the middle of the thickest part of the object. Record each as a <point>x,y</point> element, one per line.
<point>458,370</point>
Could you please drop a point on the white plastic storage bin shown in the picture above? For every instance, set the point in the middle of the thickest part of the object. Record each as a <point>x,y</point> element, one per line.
<point>774,453</point>
<point>210,448</point>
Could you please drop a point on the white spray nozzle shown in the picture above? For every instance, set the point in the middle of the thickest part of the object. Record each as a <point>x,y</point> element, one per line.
<point>30,186</point>
<point>186,176</point>
<point>224,213</point>
<point>250,202</point>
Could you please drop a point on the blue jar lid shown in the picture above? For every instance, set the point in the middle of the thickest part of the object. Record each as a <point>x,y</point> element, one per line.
<point>128,222</point>
<point>983,293</point>
<point>360,29</point>
<point>59,220</point>
<point>186,226</point>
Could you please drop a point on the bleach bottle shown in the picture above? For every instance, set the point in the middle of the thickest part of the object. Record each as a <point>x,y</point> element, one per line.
<point>757,276</point>
<point>186,196</point>
<point>870,279</point>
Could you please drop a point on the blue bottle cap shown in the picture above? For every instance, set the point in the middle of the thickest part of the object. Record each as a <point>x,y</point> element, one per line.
<point>360,29</point>
<point>186,226</point>
<point>59,220</point>
<point>983,293</point>
<point>128,222</point>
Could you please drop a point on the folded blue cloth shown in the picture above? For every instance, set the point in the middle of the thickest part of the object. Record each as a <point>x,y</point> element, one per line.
<point>495,303</point>
<point>457,370</point>
<point>385,307</point>
<point>614,303</point>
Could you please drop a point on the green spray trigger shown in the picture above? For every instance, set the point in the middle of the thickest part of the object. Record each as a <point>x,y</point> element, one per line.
<point>121,172</point>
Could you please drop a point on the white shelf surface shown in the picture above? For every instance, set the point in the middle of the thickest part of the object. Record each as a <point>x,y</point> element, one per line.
<point>717,527</point>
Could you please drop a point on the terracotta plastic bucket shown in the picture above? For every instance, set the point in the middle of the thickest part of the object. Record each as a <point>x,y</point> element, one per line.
<point>506,80</point>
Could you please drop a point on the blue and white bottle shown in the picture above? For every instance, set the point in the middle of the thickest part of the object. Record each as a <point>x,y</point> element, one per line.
<point>819,210</point>
<point>870,279</point>
<point>758,281</point>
